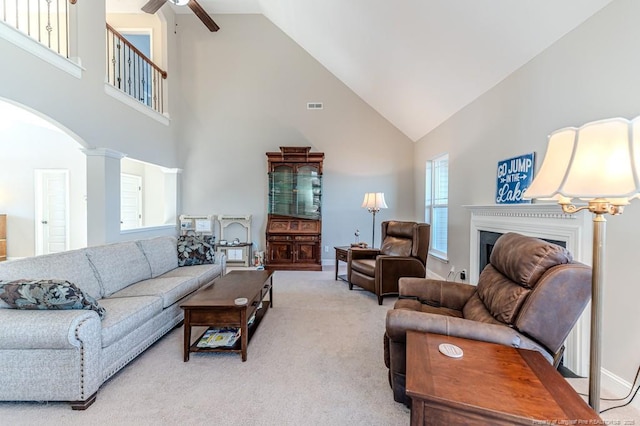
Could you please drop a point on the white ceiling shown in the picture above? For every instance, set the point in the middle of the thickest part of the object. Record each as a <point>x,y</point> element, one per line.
<point>417,62</point>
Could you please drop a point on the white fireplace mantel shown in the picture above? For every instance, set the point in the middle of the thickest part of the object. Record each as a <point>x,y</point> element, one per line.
<point>546,221</point>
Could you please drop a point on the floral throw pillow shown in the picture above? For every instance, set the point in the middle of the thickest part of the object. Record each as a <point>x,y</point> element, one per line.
<point>194,249</point>
<point>47,295</point>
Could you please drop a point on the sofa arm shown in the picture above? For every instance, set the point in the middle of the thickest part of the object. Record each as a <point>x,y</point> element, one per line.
<point>59,329</point>
<point>363,253</point>
<point>64,344</point>
<point>400,320</point>
<point>436,292</point>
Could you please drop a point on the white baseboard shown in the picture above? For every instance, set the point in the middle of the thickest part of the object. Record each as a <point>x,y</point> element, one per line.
<point>617,387</point>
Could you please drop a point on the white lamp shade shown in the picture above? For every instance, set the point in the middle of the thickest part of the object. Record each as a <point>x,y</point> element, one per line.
<point>597,160</point>
<point>374,201</point>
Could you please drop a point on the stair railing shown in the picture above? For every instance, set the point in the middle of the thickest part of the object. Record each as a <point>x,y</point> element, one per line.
<point>46,21</point>
<point>131,71</point>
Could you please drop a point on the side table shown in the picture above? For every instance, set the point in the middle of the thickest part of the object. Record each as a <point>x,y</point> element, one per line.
<point>491,384</point>
<point>342,255</point>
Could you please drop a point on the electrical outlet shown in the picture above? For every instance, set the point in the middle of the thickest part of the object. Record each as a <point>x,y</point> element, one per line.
<point>463,274</point>
<point>326,249</point>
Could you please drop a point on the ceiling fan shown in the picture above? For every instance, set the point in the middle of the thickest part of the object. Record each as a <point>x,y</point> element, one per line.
<point>152,6</point>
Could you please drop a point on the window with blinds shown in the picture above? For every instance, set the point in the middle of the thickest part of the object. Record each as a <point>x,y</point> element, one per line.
<point>436,209</point>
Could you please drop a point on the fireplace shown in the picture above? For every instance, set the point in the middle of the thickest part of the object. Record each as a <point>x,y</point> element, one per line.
<point>548,222</point>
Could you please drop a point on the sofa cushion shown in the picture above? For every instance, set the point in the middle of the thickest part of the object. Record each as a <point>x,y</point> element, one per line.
<point>394,246</point>
<point>72,265</point>
<point>203,273</point>
<point>119,265</point>
<point>127,314</point>
<point>46,295</point>
<point>194,249</point>
<point>501,296</point>
<point>364,266</point>
<point>475,310</point>
<point>160,253</point>
<point>170,289</point>
<point>525,259</point>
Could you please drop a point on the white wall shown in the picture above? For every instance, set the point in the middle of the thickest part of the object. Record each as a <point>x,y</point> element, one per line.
<point>592,73</point>
<point>245,92</point>
<point>27,143</point>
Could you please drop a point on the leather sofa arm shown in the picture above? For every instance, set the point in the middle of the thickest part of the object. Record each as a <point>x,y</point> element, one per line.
<point>363,253</point>
<point>401,320</point>
<point>436,292</point>
<point>395,267</point>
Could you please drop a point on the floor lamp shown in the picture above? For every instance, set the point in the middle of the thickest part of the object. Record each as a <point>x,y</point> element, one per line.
<point>373,202</point>
<point>596,164</point>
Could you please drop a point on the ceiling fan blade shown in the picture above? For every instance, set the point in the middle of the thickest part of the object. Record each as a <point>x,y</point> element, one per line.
<point>203,15</point>
<point>152,6</point>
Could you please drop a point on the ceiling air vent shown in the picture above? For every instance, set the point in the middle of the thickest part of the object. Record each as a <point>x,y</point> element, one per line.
<point>314,105</point>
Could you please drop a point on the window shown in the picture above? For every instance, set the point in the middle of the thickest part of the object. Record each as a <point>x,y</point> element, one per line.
<point>436,209</point>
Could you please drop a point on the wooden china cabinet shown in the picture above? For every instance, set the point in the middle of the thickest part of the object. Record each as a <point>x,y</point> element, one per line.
<point>294,224</point>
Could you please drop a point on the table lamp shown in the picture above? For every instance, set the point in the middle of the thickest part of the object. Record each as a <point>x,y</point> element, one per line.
<point>599,164</point>
<point>373,202</point>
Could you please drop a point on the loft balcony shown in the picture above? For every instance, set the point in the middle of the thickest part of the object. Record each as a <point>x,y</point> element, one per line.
<point>51,24</point>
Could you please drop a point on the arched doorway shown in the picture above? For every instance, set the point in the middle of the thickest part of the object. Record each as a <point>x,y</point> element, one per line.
<point>43,183</point>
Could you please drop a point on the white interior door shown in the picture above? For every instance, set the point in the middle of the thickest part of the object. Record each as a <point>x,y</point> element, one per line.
<point>130,201</point>
<point>52,211</point>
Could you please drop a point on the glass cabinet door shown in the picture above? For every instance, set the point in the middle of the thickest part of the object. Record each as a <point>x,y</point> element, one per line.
<point>281,190</point>
<point>308,192</point>
<point>295,191</point>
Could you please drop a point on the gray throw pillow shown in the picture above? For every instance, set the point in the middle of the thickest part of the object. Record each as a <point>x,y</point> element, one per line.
<point>47,295</point>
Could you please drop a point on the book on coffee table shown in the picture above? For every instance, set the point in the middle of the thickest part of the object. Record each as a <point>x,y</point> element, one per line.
<point>219,337</point>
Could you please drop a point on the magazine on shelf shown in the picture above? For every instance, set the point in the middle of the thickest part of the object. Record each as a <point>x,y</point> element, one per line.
<point>251,320</point>
<point>219,337</point>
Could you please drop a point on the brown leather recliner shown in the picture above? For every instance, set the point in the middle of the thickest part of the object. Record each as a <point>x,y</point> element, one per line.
<point>403,253</point>
<point>529,296</point>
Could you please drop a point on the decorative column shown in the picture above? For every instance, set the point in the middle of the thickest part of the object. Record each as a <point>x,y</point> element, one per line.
<point>103,195</point>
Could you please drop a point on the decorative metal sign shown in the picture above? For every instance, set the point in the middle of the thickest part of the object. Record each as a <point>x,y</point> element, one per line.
<point>514,177</point>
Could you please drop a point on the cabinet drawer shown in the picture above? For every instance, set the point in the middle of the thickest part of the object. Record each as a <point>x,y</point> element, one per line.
<point>279,238</point>
<point>306,238</point>
<point>342,255</point>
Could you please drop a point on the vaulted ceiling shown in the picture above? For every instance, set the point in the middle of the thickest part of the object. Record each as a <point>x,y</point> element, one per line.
<point>417,62</point>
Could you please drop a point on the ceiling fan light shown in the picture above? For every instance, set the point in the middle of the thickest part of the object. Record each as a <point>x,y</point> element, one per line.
<point>179,2</point>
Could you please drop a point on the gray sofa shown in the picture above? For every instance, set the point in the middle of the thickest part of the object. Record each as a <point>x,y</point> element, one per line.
<point>65,355</point>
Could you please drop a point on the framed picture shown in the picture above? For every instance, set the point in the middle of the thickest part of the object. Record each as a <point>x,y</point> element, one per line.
<point>513,178</point>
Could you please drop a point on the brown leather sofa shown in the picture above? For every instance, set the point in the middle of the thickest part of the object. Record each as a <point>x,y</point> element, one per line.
<point>403,253</point>
<point>529,296</point>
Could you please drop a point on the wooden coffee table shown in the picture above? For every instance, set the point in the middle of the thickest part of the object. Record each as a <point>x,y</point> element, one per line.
<point>490,384</point>
<point>215,306</point>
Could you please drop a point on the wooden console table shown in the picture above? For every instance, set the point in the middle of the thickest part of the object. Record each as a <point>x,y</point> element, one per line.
<point>490,384</point>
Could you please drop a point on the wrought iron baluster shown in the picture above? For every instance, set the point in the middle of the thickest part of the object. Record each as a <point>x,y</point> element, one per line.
<point>49,28</point>
<point>128,70</point>
<point>39,22</point>
<point>58,23</point>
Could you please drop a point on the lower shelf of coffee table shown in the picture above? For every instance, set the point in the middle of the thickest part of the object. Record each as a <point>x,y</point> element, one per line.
<point>237,346</point>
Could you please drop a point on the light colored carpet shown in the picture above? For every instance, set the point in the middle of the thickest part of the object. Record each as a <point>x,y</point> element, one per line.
<point>316,359</point>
